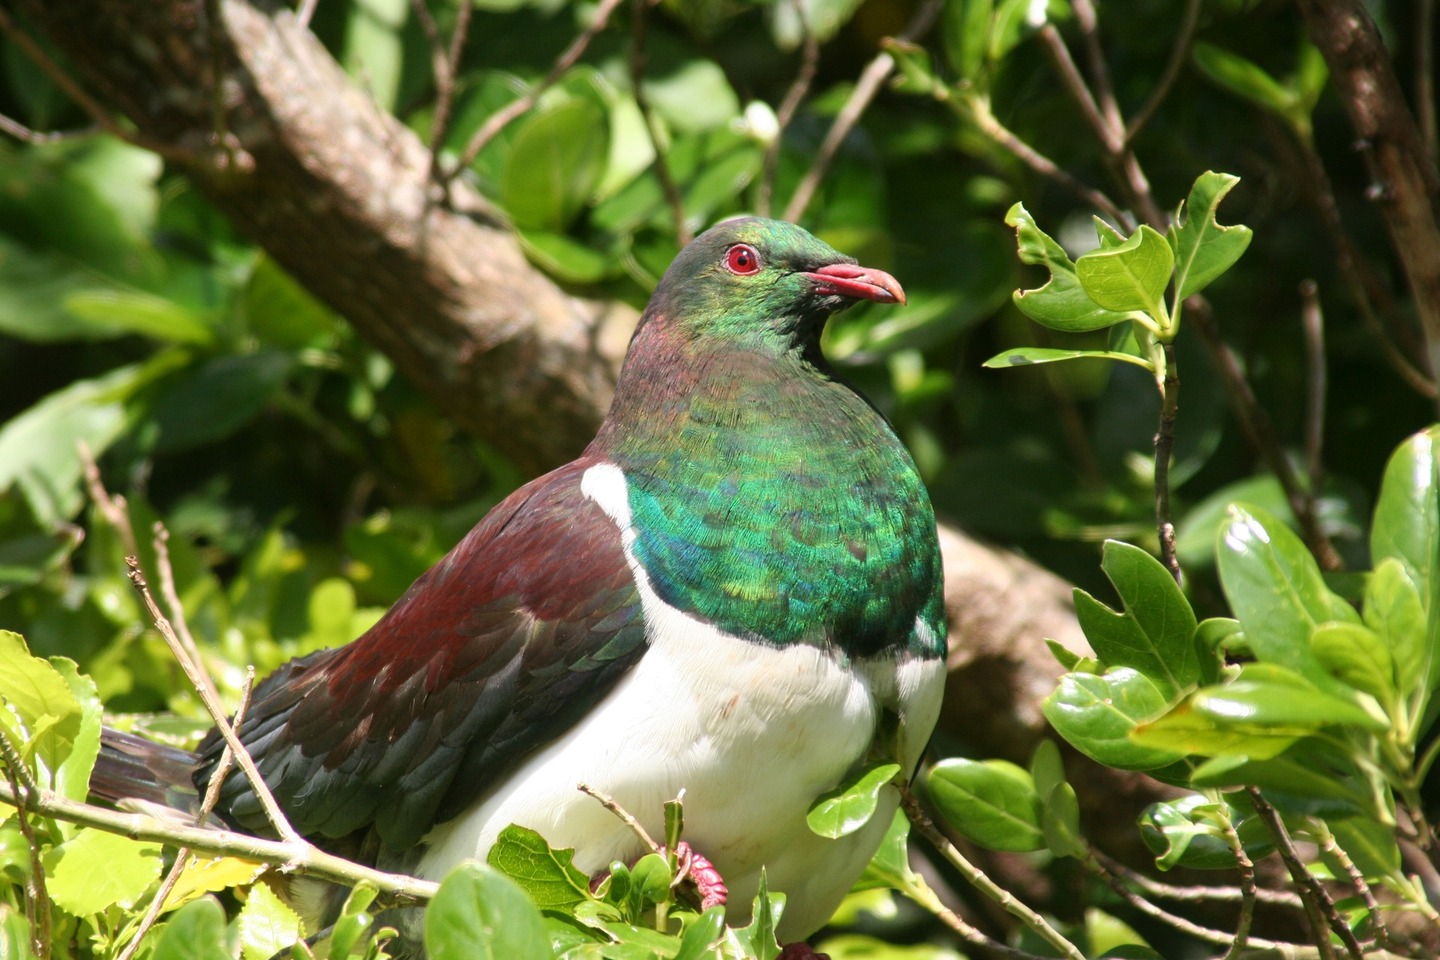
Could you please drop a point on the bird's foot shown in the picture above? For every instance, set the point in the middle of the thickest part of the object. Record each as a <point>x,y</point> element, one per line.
<point>696,869</point>
<point>801,951</point>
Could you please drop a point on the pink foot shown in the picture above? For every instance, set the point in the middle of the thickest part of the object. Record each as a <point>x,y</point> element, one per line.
<point>696,869</point>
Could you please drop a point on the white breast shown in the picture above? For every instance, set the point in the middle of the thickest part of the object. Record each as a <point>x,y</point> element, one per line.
<point>752,734</point>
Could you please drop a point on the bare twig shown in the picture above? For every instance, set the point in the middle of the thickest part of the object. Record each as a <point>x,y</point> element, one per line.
<point>24,134</point>
<point>182,855</point>
<point>683,233</point>
<point>92,107</point>
<point>977,878</point>
<point>1362,886</point>
<point>498,120</point>
<point>609,803</point>
<point>1247,892</point>
<point>799,87</point>
<point>198,678</point>
<point>112,508</point>
<point>1172,920</point>
<point>1319,907</point>
<point>306,11</point>
<point>1178,54</point>
<point>874,74</point>
<point>1198,893</point>
<point>166,573</point>
<point>1312,320</point>
<point>302,858</point>
<point>445,63</point>
<point>37,898</point>
<point>1425,78</point>
<point>1079,91</point>
<point>1164,446</point>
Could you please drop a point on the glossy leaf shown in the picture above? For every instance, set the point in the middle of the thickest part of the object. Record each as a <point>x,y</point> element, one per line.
<point>1396,612</point>
<point>992,802</point>
<point>555,165</point>
<point>1060,822</point>
<point>1187,832</point>
<point>1096,713</point>
<point>45,708</point>
<point>268,926</point>
<point>758,939</point>
<point>1355,655</point>
<point>480,914</point>
<point>1047,767</point>
<point>197,931</point>
<point>1131,276</point>
<point>1184,730</point>
<point>1269,697</point>
<point>1311,769</point>
<point>1154,633</point>
<point>850,806</point>
<point>1030,356</point>
<point>548,876</point>
<point>1244,78</point>
<point>95,870</point>
<point>1062,302</point>
<point>890,867</point>
<point>701,935</point>
<point>1204,249</point>
<point>1277,593</point>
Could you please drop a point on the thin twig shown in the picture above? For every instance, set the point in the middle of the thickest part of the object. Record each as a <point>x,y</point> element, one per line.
<point>1319,907</point>
<point>302,858</point>
<point>1425,78</point>
<point>1164,446</point>
<point>92,107</point>
<point>609,803</point>
<point>977,878</point>
<point>1312,321</point>
<point>683,233</point>
<point>799,87</point>
<point>37,897</point>
<point>445,63</point>
<point>112,508</point>
<point>24,134</point>
<point>1079,91</point>
<point>1256,425</point>
<point>306,11</point>
<point>498,120</point>
<point>874,74</point>
<point>979,112</point>
<point>166,574</point>
<point>1329,844</point>
<point>182,855</point>
<point>1172,920</point>
<point>1246,868</point>
<point>195,673</point>
<point>1179,53</point>
<point>1192,894</point>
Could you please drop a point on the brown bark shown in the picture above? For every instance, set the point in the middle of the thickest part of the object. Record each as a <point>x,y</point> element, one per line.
<point>336,190</point>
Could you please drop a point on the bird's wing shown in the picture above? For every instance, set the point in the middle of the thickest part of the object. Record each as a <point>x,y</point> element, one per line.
<point>498,649</point>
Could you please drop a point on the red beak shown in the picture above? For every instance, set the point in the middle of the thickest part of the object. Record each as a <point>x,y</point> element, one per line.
<point>856,282</point>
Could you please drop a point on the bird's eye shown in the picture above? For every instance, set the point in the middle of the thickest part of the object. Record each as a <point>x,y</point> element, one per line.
<point>742,260</point>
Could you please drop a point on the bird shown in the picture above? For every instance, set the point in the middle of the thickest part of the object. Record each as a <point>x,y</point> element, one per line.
<point>733,593</point>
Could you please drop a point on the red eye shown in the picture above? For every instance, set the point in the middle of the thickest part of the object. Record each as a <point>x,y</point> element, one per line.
<point>742,260</point>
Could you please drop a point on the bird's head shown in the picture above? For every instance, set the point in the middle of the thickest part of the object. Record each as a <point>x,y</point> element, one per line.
<point>752,277</point>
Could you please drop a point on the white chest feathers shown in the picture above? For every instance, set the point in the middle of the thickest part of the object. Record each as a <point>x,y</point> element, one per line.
<point>751,734</point>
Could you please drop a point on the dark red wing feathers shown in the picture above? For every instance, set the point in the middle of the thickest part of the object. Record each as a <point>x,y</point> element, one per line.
<point>498,649</point>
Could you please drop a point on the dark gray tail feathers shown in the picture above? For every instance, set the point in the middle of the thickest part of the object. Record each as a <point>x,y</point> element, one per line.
<point>133,771</point>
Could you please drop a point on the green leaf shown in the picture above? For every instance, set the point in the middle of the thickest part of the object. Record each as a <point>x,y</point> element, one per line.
<point>567,259</point>
<point>267,924</point>
<point>1309,769</point>
<point>1061,303</point>
<point>480,914</point>
<point>701,935</point>
<point>96,870</point>
<point>547,875</point>
<point>195,932</point>
<point>1096,713</point>
<point>890,867</point>
<point>212,400</point>
<point>1243,78</point>
<point>1183,730</point>
<point>1395,611</point>
<point>848,807</point>
<point>1277,593</point>
<point>1029,356</point>
<point>1356,656</point>
<point>1047,767</point>
<point>72,780</point>
<point>757,941</point>
<point>45,707</point>
<point>1370,845</point>
<point>1132,276</point>
<point>1204,249</point>
<point>555,165</point>
<point>1060,821</point>
<point>993,802</point>
<point>1154,634</point>
<point>696,97</point>
<point>133,311</point>
<point>965,28</point>
<point>374,50</point>
<point>354,920</point>
<point>1184,833</point>
<point>1271,699</point>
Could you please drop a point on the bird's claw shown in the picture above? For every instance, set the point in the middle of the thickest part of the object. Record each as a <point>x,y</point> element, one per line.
<point>696,869</point>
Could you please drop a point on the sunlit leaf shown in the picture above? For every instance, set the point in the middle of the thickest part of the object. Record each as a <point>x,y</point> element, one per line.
<point>480,914</point>
<point>548,876</point>
<point>96,870</point>
<point>1095,713</point>
<point>1131,276</point>
<point>992,802</point>
<point>848,807</point>
<point>1062,302</point>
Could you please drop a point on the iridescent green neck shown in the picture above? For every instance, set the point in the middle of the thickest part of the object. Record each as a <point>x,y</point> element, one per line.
<point>772,500</point>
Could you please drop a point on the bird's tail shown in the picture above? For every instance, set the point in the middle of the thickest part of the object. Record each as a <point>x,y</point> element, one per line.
<point>134,773</point>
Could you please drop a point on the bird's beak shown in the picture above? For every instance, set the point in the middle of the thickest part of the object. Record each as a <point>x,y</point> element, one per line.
<point>856,282</point>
